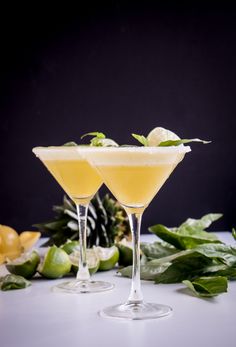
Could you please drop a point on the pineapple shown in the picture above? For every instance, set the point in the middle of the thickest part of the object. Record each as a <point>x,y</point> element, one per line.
<point>107,223</point>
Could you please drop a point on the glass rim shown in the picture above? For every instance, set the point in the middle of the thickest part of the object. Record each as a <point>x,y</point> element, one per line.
<point>87,148</point>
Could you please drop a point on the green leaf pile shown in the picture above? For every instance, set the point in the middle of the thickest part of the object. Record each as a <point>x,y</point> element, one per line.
<point>188,254</point>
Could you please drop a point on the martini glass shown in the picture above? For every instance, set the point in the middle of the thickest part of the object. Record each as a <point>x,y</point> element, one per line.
<point>134,175</point>
<point>80,181</point>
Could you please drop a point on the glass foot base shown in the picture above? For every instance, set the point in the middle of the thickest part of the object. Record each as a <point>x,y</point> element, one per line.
<point>136,311</point>
<point>81,287</point>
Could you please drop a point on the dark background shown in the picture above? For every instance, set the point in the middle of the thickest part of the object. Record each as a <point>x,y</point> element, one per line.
<point>119,67</point>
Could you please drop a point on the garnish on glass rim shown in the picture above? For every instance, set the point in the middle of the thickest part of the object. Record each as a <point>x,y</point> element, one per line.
<point>70,144</point>
<point>100,140</point>
<point>142,139</point>
<point>179,142</point>
<point>145,142</point>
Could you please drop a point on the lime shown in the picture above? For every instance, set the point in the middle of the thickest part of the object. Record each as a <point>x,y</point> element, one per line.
<point>56,263</point>
<point>70,246</point>
<point>25,266</point>
<point>28,239</point>
<point>92,261</point>
<point>158,135</point>
<point>126,252</point>
<point>10,246</point>
<point>108,257</point>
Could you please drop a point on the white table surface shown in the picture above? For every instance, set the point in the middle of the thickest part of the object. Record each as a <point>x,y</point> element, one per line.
<point>38,317</point>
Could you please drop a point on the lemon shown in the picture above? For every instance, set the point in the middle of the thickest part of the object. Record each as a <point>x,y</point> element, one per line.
<point>70,246</point>
<point>10,246</point>
<point>2,258</point>
<point>126,252</point>
<point>25,266</point>
<point>56,263</point>
<point>108,257</point>
<point>28,239</point>
<point>158,135</point>
<point>92,261</point>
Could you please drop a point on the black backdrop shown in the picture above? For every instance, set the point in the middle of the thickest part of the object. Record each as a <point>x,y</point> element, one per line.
<point>119,67</point>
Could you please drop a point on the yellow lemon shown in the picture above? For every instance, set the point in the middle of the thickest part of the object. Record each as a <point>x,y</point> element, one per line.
<point>28,239</point>
<point>10,245</point>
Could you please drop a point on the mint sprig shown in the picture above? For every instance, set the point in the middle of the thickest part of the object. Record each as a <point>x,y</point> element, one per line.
<point>180,141</point>
<point>96,140</point>
<point>142,139</point>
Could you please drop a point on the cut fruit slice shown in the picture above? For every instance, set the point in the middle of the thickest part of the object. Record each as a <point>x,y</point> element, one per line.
<point>126,252</point>
<point>56,263</point>
<point>92,261</point>
<point>28,239</point>
<point>10,246</point>
<point>2,258</point>
<point>158,135</point>
<point>25,266</point>
<point>108,257</point>
<point>70,246</point>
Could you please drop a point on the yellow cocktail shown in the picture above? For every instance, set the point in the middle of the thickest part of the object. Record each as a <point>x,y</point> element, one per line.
<point>134,175</point>
<point>80,181</point>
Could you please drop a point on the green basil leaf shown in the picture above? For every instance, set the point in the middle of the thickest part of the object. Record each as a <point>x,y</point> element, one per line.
<point>183,240</point>
<point>220,270</point>
<point>157,250</point>
<point>187,266</point>
<point>199,224</point>
<point>181,141</point>
<point>208,286</point>
<point>142,139</point>
<point>148,271</point>
<point>225,254</point>
<point>190,233</point>
<point>10,282</point>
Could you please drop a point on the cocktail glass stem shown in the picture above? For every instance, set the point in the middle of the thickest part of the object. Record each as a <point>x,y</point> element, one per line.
<point>135,295</point>
<point>83,272</point>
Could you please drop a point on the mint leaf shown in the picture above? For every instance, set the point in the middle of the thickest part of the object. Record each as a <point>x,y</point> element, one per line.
<point>142,139</point>
<point>179,142</point>
<point>96,141</point>
<point>10,282</point>
<point>100,140</point>
<point>207,286</point>
<point>70,144</point>
<point>95,134</point>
